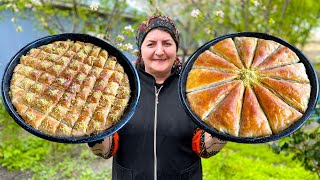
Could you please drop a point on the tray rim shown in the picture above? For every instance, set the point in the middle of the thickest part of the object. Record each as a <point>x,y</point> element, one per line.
<point>121,58</point>
<point>251,140</point>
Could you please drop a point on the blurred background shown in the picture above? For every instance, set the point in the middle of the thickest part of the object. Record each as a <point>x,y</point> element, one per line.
<point>24,156</point>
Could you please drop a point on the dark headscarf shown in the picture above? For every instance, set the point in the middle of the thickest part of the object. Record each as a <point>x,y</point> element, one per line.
<point>160,22</point>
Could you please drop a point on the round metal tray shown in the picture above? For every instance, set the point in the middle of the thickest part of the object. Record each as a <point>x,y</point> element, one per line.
<point>309,69</point>
<point>112,50</point>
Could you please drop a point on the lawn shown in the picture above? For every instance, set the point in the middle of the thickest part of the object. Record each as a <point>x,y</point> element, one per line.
<point>253,161</point>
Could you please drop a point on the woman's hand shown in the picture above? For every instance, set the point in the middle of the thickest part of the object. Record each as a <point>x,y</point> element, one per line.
<point>212,144</point>
<point>105,148</point>
<point>205,145</point>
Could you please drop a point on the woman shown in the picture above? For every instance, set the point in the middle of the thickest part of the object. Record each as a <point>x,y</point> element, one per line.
<point>160,141</point>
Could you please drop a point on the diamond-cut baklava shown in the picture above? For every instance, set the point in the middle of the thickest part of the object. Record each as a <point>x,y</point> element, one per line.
<point>248,87</point>
<point>69,89</point>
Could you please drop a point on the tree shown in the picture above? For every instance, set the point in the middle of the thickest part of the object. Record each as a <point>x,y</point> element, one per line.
<point>202,20</point>
<point>107,19</point>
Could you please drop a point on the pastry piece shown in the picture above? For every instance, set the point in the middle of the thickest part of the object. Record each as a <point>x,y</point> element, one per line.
<point>70,89</point>
<point>263,50</point>
<point>246,47</point>
<point>49,125</point>
<point>254,122</point>
<point>295,72</point>
<point>280,115</point>
<point>210,60</point>
<point>203,101</point>
<point>225,117</point>
<point>33,117</point>
<point>295,94</point>
<point>283,56</point>
<point>63,130</point>
<point>227,49</point>
<point>203,78</point>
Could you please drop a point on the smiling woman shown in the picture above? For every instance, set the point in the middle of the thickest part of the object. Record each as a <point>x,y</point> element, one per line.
<point>160,141</point>
<point>159,52</point>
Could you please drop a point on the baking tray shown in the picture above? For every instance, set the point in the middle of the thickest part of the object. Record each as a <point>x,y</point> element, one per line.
<point>309,69</point>
<point>112,50</point>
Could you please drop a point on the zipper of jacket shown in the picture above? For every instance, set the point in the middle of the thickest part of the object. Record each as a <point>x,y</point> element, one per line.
<point>157,91</point>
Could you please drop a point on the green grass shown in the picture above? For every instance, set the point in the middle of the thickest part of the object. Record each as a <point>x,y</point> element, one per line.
<point>253,161</point>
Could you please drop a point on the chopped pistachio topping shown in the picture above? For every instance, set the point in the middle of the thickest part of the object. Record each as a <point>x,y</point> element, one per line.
<point>28,97</point>
<point>248,76</point>
<point>80,77</point>
<point>86,67</point>
<point>53,92</point>
<point>61,80</point>
<point>37,87</point>
<point>64,129</point>
<point>69,71</point>
<point>58,109</point>
<point>101,82</point>
<point>74,116</point>
<point>56,67</point>
<point>42,102</point>
<point>30,116</point>
<point>80,126</point>
<point>101,112</point>
<point>52,57</point>
<point>74,64</point>
<point>45,64</point>
<point>97,94</point>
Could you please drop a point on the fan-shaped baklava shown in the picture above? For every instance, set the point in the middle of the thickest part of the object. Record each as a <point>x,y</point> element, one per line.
<point>248,87</point>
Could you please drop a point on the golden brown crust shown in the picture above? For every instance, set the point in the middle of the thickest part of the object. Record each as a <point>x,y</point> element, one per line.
<point>295,72</point>
<point>208,59</point>
<point>295,94</point>
<point>280,57</point>
<point>60,89</point>
<point>263,50</point>
<point>203,101</point>
<point>227,49</point>
<point>246,47</point>
<point>254,122</point>
<point>226,115</point>
<point>280,114</point>
<point>202,78</point>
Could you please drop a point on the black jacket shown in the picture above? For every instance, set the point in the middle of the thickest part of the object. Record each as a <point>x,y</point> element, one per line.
<point>174,158</point>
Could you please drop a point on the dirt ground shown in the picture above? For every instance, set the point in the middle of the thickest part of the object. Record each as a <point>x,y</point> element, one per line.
<point>16,175</point>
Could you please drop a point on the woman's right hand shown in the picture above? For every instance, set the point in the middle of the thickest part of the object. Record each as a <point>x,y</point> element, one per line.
<point>105,148</point>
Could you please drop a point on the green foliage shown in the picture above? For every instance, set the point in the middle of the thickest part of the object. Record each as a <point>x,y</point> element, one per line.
<point>252,161</point>
<point>104,20</point>
<point>22,154</point>
<point>286,19</point>
<point>304,146</point>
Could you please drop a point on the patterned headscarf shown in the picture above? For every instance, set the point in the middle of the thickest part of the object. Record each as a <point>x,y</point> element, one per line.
<point>158,21</point>
<point>155,22</point>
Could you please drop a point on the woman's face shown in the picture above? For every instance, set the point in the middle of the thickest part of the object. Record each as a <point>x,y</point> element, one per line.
<point>158,52</point>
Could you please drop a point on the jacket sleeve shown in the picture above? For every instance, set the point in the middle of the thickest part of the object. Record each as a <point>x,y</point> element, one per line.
<point>105,148</point>
<point>205,145</point>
